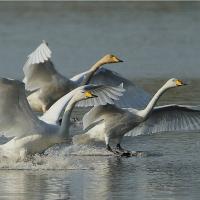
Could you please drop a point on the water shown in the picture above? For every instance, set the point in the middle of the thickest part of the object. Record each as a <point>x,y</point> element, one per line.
<point>154,39</point>
<point>171,171</point>
<point>157,41</point>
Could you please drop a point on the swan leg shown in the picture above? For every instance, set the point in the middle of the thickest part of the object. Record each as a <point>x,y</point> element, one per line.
<point>108,148</point>
<point>123,152</point>
<point>120,148</point>
<point>128,153</point>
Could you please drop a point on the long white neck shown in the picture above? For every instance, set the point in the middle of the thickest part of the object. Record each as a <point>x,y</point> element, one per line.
<point>91,72</point>
<point>145,113</point>
<point>65,125</point>
<point>53,114</point>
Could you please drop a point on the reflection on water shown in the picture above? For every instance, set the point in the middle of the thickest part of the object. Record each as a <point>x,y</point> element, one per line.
<point>157,41</point>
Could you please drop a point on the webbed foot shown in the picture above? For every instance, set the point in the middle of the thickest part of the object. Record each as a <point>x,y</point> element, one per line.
<point>127,153</point>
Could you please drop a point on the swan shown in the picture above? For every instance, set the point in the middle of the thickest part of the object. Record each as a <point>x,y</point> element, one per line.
<point>30,134</point>
<point>107,123</point>
<point>48,85</point>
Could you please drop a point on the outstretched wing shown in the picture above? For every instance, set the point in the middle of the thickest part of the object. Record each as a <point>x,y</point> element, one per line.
<point>105,94</point>
<point>134,97</point>
<point>170,118</point>
<point>16,117</point>
<point>39,69</point>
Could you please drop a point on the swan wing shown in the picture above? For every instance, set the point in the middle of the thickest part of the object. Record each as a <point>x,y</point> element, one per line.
<point>105,94</point>
<point>170,118</point>
<point>16,117</point>
<point>134,96</point>
<point>79,77</point>
<point>39,69</point>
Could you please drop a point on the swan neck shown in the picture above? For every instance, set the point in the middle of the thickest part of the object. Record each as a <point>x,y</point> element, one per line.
<point>153,101</point>
<point>65,125</point>
<point>91,72</point>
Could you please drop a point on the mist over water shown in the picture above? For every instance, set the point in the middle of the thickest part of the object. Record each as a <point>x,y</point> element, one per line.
<point>157,41</point>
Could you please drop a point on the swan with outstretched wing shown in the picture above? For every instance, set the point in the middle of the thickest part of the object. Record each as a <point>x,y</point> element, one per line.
<point>32,135</point>
<point>107,123</point>
<point>50,85</point>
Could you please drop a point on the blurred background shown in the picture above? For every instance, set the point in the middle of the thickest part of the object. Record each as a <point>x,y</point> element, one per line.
<point>157,40</point>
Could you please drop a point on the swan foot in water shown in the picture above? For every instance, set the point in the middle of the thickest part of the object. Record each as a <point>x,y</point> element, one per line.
<point>127,153</point>
<point>108,148</point>
<point>124,152</point>
<point>132,154</point>
<point>119,148</point>
<point>120,152</point>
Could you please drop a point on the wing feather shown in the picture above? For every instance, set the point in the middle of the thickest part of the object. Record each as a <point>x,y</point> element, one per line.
<point>114,93</point>
<point>53,114</point>
<point>134,97</point>
<point>39,69</point>
<point>16,117</point>
<point>170,118</point>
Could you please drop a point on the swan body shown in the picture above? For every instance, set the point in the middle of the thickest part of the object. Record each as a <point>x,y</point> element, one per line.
<point>107,123</point>
<point>48,85</point>
<point>30,134</point>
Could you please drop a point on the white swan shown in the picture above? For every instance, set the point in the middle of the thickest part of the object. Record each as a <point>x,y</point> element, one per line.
<point>32,135</point>
<point>105,123</point>
<point>50,85</point>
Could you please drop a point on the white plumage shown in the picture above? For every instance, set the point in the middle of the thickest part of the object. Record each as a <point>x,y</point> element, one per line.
<point>32,135</point>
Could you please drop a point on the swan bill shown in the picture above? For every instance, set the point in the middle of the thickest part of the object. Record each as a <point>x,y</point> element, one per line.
<point>180,83</point>
<point>116,59</point>
<point>89,94</point>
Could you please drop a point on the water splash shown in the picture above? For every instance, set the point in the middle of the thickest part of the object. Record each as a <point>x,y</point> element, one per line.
<point>58,157</point>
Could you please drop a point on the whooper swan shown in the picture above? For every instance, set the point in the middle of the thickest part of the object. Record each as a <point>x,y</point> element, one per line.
<point>49,85</point>
<point>106,123</point>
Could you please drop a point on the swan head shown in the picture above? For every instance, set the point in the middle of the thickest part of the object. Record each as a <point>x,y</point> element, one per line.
<point>173,82</point>
<point>83,94</point>
<point>109,58</point>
